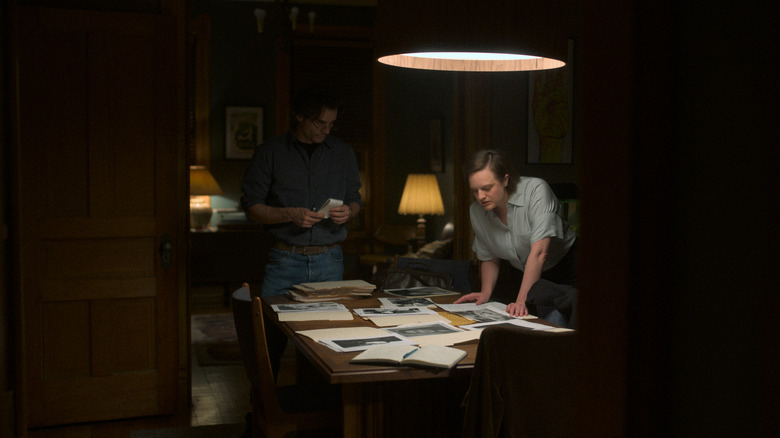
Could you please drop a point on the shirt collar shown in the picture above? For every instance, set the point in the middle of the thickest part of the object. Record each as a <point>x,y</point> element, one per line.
<point>516,198</point>
<point>293,140</point>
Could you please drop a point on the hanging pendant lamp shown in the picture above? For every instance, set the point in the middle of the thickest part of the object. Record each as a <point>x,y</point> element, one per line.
<point>471,35</point>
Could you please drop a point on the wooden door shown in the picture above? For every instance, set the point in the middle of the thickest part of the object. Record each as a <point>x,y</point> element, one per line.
<point>99,188</point>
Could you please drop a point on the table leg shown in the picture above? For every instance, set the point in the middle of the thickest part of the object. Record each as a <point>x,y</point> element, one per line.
<point>362,405</point>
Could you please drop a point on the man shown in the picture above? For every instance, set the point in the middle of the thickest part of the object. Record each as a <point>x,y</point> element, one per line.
<point>289,178</point>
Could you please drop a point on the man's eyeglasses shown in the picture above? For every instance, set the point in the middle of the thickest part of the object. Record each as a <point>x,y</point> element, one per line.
<point>322,126</point>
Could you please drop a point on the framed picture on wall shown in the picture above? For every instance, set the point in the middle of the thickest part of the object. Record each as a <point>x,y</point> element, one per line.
<point>243,131</point>
<point>550,114</point>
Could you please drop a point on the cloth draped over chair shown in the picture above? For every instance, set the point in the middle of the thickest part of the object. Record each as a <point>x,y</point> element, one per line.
<point>522,384</point>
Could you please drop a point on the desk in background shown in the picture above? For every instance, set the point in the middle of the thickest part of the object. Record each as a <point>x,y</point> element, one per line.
<point>228,257</point>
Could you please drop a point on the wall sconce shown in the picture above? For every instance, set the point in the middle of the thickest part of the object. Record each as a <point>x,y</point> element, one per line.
<point>260,16</point>
<point>465,35</point>
<point>202,187</point>
<point>421,196</point>
<point>294,17</point>
<point>312,16</point>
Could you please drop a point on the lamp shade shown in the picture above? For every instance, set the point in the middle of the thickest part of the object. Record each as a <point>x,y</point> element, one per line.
<point>470,35</point>
<point>421,196</point>
<point>202,183</point>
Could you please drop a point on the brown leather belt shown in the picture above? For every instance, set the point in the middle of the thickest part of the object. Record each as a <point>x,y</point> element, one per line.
<point>305,250</point>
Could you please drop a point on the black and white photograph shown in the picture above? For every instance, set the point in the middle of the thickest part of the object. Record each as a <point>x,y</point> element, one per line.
<point>516,322</point>
<point>398,311</point>
<point>360,344</point>
<point>406,302</point>
<point>482,315</point>
<point>428,329</point>
<point>308,307</point>
<point>420,291</point>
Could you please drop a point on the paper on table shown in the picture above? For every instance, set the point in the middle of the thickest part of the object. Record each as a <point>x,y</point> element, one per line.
<point>390,321</point>
<point>447,339</point>
<point>341,284</point>
<point>494,306</point>
<point>342,333</point>
<point>334,315</point>
<point>517,321</point>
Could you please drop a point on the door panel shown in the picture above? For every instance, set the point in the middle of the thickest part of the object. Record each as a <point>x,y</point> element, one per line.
<point>100,151</point>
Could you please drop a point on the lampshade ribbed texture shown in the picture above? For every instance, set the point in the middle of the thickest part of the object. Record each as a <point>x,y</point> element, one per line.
<point>421,195</point>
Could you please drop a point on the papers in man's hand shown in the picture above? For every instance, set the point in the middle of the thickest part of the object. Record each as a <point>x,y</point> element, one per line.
<point>436,356</point>
<point>326,311</point>
<point>329,203</point>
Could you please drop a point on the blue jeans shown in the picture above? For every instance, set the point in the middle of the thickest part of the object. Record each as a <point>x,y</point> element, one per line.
<point>285,269</point>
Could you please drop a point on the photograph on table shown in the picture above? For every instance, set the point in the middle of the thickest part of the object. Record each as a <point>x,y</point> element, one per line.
<point>359,344</point>
<point>392,303</point>
<point>397,311</point>
<point>427,329</point>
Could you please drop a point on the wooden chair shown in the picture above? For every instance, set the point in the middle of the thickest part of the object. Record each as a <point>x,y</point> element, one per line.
<point>388,241</point>
<point>277,411</point>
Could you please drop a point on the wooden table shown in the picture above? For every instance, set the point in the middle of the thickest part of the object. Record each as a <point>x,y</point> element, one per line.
<point>365,387</point>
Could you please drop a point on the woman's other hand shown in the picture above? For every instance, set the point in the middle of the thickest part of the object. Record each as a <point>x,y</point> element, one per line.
<point>477,297</point>
<point>517,309</point>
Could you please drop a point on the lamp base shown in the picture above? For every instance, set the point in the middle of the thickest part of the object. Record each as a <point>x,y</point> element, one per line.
<point>420,233</point>
<point>200,216</point>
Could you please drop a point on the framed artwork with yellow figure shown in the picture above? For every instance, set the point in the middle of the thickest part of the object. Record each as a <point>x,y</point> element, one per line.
<point>550,114</point>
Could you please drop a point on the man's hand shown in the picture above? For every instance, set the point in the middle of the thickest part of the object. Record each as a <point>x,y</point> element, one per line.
<point>340,214</point>
<point>304,217</point>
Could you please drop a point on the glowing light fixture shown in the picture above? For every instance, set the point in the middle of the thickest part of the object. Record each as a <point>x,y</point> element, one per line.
<point>202,187</point>
<point>421,196</point>
<point>468,35</point>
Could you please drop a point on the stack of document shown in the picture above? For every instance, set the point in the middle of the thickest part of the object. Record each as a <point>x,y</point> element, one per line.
<point>312,312</point>
<point>331,290</point>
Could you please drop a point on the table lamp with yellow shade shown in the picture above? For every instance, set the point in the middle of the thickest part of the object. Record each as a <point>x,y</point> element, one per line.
<point>202,187</point>
<point>421,196</point>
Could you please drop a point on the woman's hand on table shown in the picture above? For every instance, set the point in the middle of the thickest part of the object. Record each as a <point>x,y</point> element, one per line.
<point>517,309</point>
<point>477,297</point>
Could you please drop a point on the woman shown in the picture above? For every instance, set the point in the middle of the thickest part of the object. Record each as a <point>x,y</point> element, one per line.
<point>517,219</point>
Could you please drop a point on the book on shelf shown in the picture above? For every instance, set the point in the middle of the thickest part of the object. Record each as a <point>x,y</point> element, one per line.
<point>434,356</point>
